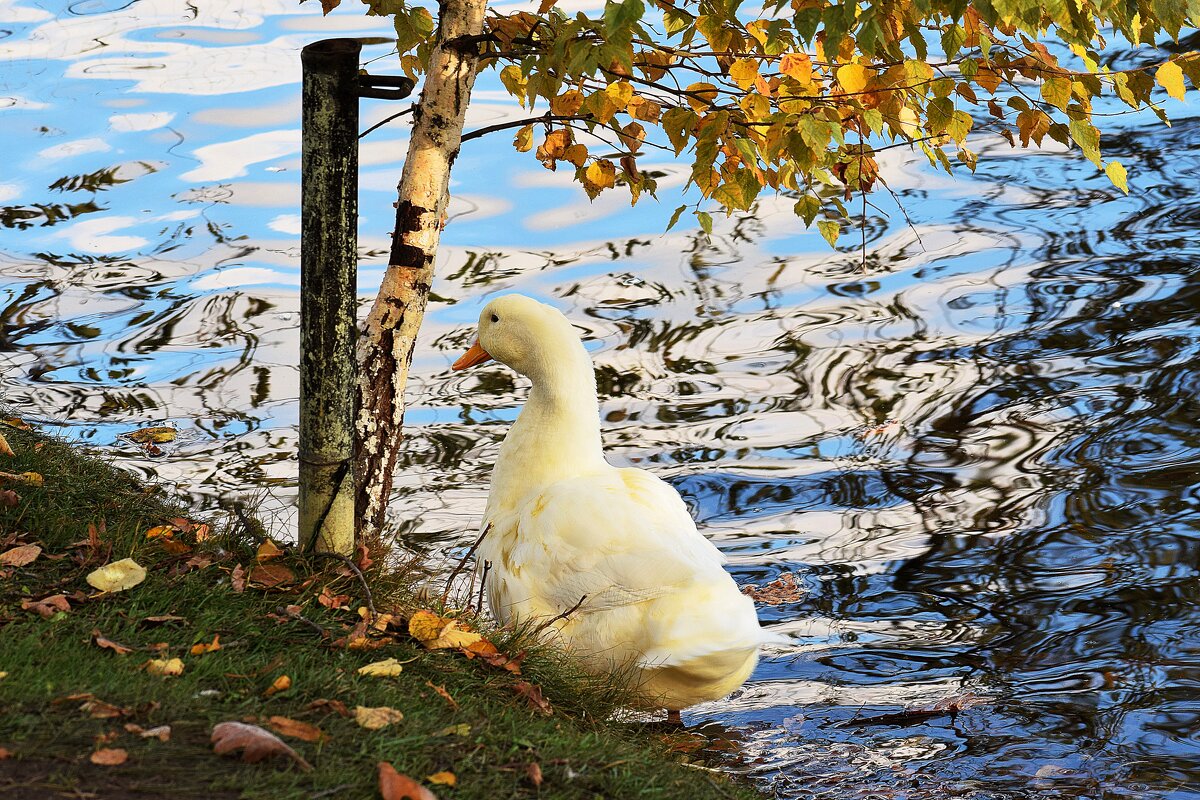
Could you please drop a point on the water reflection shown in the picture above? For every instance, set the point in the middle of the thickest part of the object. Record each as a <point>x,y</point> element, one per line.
<point>977,448</point>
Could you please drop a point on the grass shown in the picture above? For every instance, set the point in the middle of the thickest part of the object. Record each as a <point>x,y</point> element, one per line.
<point>488,738</point>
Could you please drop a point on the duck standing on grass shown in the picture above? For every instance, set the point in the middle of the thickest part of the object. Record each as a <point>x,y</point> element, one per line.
<point>612,553</point>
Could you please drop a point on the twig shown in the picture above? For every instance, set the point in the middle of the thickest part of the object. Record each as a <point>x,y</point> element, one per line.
<point>296,616</point>
<point>361,579</point>
<point>556,618</point>
<point>487,565</point>
<point>383,122</point>
<point>463,562</point>
<point>520,123</point>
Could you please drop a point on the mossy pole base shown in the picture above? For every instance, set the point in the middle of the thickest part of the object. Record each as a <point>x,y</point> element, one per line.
<point>328,290</point>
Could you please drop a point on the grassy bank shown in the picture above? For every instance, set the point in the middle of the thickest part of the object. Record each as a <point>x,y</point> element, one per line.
<point>285,659</point>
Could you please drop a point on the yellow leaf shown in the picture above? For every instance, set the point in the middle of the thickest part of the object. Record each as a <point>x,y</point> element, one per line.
<point>620,93</point>
<point>27,478</point>
<point>166,667</point>
<point>280,684</point>
<point>601,174</point>
<point>797,66</point>
<point>117,576</point>
<point>852,77</point>
<point>643,109</point>
<point>576,154</point>
<point>388,668</point>
<point>524,140</point>
<point>567,103</point>
<point>1170,77</point>
<point>202,648</point>
<point>744,71</point>
<point>700,96</point>
<point>444,778</point>
<point>267,550</point>
<point>1116,173</point>
<point>160,530</point>
<point>156,435</point>
<point>375,718</point>
<point>425,625</point>
<point>5,450</point>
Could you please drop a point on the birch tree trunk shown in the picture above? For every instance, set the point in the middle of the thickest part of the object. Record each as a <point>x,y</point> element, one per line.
<point>385,350</point>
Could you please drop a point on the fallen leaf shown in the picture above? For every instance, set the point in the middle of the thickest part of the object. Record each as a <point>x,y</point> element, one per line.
<point>27,478</point>
<point>202,648</point>
<point>156,435</point>
<point>203,532</point>
<point>362,558</point>
<point>160,530</point>
<point>534,773</point>
<point>533,695</point>
<point>336,706</point>
<point>375,718</point>
<point>237,579</point>
<point>109,757</point>
<point>489,653</point>
<point>394,786</point>
<point>3,675</point>
<point>166,667</point>
<point>296,729</point>
<point>331,600</point>
<point>9,498</point>
<point>443,778</point>
<point>47,606</point>
<point>388,668</point>
<point>98,709</point>
<point>267,550</point>
<point>438,633</point>
<point>162,732</point>
<point>16,422</point>
<point>162,618</point>
<point>5,450</point>
<point>783,589</point>
<point>268,576</point>
<point>461,729</point>
<point>254,742</point>
<point>117,576</point>
<point>5,753</point>
<point>103,641</point>
<point>20,556</point>
<point>280,684</point>
<point>441,690</point>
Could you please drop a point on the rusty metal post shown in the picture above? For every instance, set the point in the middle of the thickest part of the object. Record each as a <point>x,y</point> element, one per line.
<point>328,294</point>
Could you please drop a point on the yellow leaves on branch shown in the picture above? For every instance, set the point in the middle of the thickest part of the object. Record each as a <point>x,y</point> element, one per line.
<point>853,78</point>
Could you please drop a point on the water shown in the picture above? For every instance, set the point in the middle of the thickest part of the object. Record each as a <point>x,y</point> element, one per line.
<point>977,450</point>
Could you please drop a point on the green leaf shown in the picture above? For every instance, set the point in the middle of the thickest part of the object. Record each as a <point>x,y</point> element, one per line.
<point>705,221</point>
<point>1057,92</point>
<point>675,217</point>
<point>938,114</point>
<point>807,207</point>
<point>619,18</point>
<point>830,230</point>
<point>1116,173</point>
<point>413,26</point>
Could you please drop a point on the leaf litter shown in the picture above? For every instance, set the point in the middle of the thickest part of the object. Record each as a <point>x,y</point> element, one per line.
<point>255,744</point>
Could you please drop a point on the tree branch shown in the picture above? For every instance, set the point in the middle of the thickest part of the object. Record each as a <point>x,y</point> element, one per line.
<point>520,123</point>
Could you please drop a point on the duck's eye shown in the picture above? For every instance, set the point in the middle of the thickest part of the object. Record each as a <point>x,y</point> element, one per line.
<point>495,318</point>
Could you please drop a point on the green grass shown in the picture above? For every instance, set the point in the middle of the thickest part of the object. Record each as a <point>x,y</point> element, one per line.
<point>581,753</point>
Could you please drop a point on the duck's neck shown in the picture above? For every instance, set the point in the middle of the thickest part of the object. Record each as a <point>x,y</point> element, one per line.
<point>556,435</point>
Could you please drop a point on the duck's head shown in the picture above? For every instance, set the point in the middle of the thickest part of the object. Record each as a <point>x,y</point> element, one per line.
<point>531,337</point>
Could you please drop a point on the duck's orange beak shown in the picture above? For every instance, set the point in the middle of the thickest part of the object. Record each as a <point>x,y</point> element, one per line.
<point>476,355</point>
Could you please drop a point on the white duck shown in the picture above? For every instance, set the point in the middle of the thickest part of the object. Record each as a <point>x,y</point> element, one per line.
<point>567,526</point>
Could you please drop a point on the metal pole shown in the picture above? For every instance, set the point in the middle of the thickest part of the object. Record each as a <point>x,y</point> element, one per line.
<point>328,292</point>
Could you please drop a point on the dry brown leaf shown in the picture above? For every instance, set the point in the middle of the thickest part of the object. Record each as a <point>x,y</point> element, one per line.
<point>296,729</point>
<point>280,684</point>
<point>165,667</point>
<point>117,576</point>
<point>16,422</point>
<point>374,718</point>
<point>98,709</point>
<point>534,773</point>
<point>394,786</point>
<point>783,589</point>
<point>174,547</point>
<point>162,732</point>
<point>9,498</point>
<point>268,576</point>
<point>441,691</point>
<point>203,532</point>
<point>533,695</point>
<point>5,753</point>
<point>103,641</point>
<point>202,648</point>
<point>156,435</point>
<point>268,550</point>
<point>336,706</point>
<point>162,618</point>
<point>20,556</point>
<point>387,668</point>
<point>237,578</point>
<point>47,606</point>
<point>488,652</point>
<point>109,757</point>
<point>331,600</point>
<point>254,742</point>
<point>5,450</point>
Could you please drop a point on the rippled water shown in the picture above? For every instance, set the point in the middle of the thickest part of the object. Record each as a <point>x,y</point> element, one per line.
<point>978,450</point>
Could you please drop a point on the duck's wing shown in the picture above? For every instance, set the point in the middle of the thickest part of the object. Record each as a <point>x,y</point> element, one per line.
<point>618,539</point>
